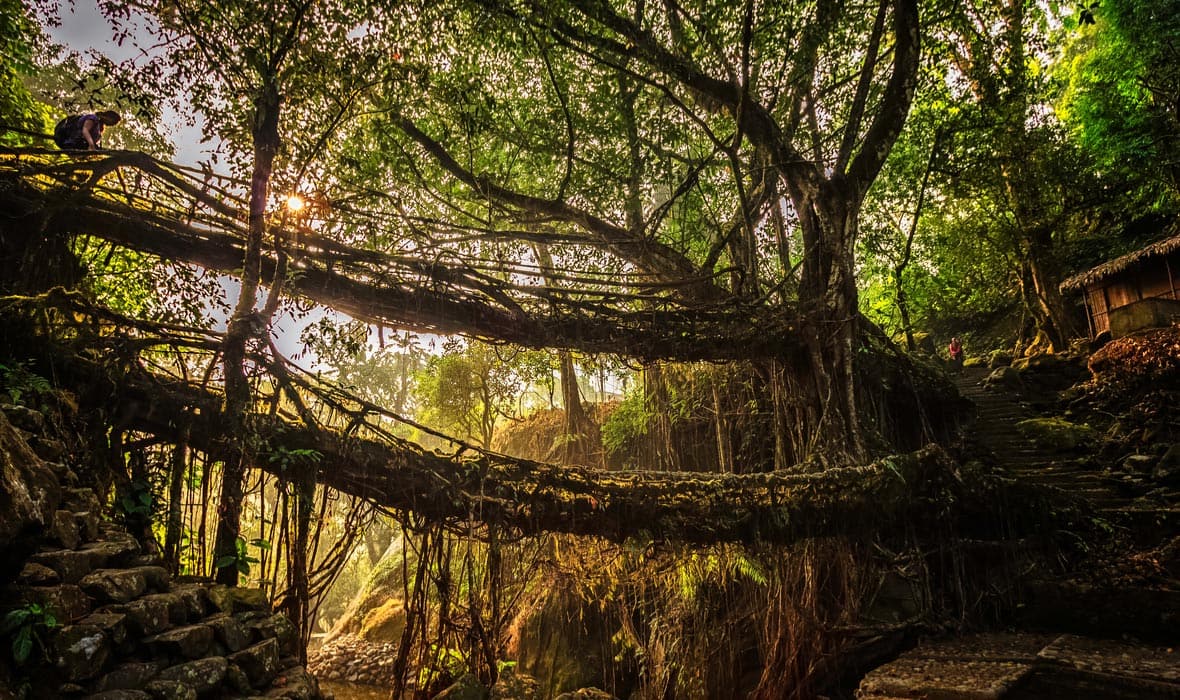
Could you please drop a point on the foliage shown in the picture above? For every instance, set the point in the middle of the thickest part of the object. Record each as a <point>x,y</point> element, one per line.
<point>242,559</point>
<point>27,626</point>
<point>626,424</point>
<point>20,383</point>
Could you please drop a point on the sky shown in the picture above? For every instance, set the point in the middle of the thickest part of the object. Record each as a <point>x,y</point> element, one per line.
<point>84,28</point>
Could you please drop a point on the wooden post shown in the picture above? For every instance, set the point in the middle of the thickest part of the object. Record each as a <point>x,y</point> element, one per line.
<point>1171,280</point>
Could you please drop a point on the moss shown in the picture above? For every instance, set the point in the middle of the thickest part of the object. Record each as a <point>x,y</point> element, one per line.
<point>1056,433</point>
<point>384,622</point>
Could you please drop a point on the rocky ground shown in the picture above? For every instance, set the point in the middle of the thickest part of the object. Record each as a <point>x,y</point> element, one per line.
<point>89,615</point>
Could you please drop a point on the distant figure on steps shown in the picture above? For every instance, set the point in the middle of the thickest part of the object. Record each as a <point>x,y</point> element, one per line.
<point>955,350</point>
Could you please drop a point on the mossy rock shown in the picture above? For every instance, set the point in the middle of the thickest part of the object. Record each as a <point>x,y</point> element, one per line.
<point>384,622</point>
<point>974,362</point>
<point>1056,433</point>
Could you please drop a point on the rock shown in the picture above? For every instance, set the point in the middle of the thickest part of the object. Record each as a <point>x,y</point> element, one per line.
<point>294,683</point>
<point>260,662</point>
<point>586,694</point>
<point>64,529</point>
<point>87,525</point>
<point>147,615</point>
<point>113,625</point>
<point>80,501</point>
<point>171,690</point>
<point>202,675</point>
<point>191,642</point>
<point>235,600</point>
<point>1056,433</point>
<point>114,585</point>
<point>29,495</point>
<point>466,688</point>
<point>156,576</point>
<point>236,679</point>
<point>121,694</point>
<point>66,601</point>
<point>23,417</point>
<point>132,674</point>
<point>81,651</point>
<point>277,627</point>
<point>999,358</point>
<point>37,575</point>
<point>1137,464</point>
<point>70,565</point>
<point>1003,378</point>
<point>515,686</point>
<point>113,550</point>
<point>974,362</point>
<point>1167,470</point>
<point>231,634</point>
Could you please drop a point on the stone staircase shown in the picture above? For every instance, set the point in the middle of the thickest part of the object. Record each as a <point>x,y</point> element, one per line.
<point>127,631</point>
<point>994,428</point>
<point>1105,663</point>
<point>1017,666</point>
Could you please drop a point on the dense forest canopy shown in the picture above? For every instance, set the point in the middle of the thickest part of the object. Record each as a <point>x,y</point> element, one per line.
<point>716,245</point>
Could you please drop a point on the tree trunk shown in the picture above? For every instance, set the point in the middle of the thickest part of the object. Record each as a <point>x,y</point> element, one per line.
<point>242,326</point>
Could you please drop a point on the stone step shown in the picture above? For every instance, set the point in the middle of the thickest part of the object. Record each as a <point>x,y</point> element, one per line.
<point>1023,666</point>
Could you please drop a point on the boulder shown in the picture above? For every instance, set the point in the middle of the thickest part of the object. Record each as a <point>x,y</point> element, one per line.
<point>70,565</point>
<point>515,686</point>
<point>260,662</point>
<point>1003,378</point>
<point>586,694</point>
<point>129,675</point>
<point>114,625</point>
<point>66,601</point>
<point>120,694</point>
<point>81,651</point>
<point>171,690</point>
<point>279,628</point>
<point>202,675</point>
<point>466,688</point>
<point>37,575</point>
<point>23,417</point>
<point>64,529</point>
<point>191,642</point>
<point>1056,433</point>
<point>147,615</point>
<point>295,683</point>
<point>230,633</point>
<point>114,585</point>
<point>235,600</point>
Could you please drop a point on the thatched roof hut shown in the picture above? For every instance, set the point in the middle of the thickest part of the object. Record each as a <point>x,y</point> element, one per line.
<point>1137,290</point>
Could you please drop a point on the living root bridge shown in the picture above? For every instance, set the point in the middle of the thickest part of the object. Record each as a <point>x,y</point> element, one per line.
<point>890,496</point>
<point>132,200</point>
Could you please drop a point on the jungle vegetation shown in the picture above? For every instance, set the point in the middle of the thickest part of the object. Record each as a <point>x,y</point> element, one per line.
<point>713,243</point>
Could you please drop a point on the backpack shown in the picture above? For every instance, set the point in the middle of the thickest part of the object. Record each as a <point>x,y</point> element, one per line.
<point>68,130</point>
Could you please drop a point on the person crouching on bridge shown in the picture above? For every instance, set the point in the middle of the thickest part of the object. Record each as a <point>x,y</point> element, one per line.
<point>83,132</point>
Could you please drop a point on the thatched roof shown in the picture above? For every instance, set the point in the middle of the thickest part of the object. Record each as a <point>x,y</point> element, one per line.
<point>1119,264</point>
